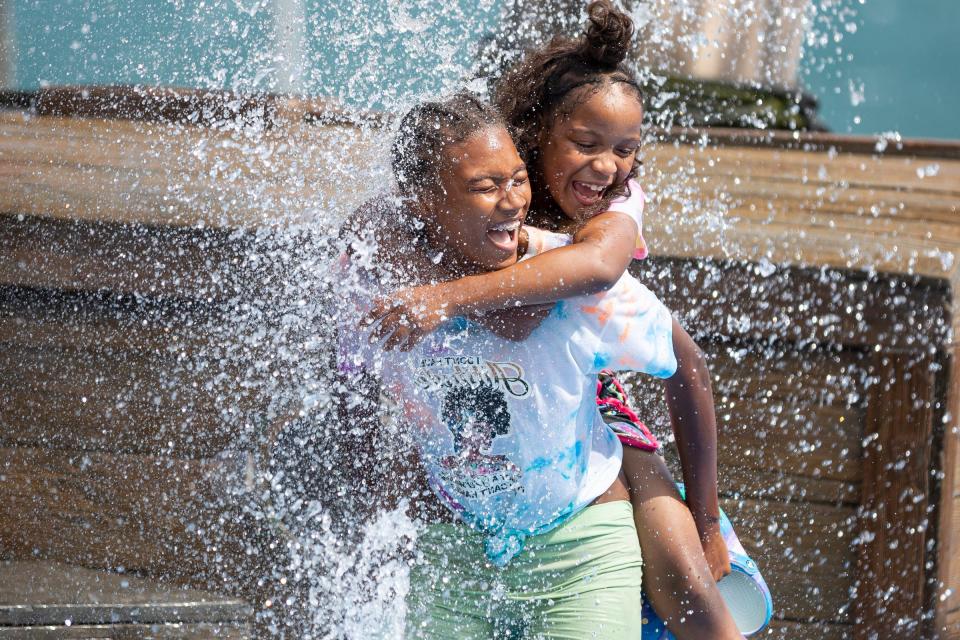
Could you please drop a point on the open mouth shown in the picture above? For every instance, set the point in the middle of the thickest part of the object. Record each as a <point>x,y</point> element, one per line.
<point>504,235</point>
<point>588,194</point>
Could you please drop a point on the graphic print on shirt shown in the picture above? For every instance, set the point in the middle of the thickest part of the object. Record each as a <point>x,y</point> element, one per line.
<point>475,415</point>
<point>436,373</point>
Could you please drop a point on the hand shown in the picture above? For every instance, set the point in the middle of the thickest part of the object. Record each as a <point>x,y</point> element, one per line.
<point>516,323</point>
<point>407,315</point>
<point>715,549</point>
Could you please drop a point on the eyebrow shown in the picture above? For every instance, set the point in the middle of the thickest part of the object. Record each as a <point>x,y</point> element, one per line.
<point>591,132</point>
<point>497,178</point>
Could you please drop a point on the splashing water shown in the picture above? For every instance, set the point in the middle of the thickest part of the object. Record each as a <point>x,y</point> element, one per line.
<point>258,201</point>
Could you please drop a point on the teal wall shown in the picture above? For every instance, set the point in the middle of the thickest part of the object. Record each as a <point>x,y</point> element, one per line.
<point>377,53</point>
<point>903,56</point>
<point>134,41</point>
<point>905,65</point>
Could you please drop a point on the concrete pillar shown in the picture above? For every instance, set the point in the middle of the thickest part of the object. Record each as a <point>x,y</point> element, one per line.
<point>290,42</point>
<point>743,41</point>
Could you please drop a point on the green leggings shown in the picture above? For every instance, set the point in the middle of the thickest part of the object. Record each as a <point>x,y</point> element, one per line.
<point>580,580</point>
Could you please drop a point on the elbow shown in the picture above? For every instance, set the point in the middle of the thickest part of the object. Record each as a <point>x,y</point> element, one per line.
<point>700,370</point>
<point>692,368</point>
<point>606,275</point>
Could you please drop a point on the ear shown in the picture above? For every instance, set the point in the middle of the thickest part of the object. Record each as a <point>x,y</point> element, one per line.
<point>430,202</point>
<point>426,205</point>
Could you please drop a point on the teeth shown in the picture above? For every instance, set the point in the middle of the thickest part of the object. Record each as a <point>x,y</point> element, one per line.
<point>594,187</point>
<point>513,225</point>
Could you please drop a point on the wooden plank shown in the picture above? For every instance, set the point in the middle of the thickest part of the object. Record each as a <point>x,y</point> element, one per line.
<point>740,481</point>
<point>814,141</point>
<point>784,375</point>
<point>56,319</point>
<point>891,599</point>
<point>805,552</point>
<point>50,593</point>
<point>812,441</point>
<point>224,631</point>
<point>843,204</point>
<point>172,422</point>
<point>818,169</point>
<point>87,169</point>
<point>159,515</point>
<point>87,371</point>
<point>749,226</point>
<point>55,254</point>
<point>208,107</point>
<point>948,541</point>
<point>111,400</point>
<point>950,628</point>
<point>838,177</point>
<point>947,593</point>
<point>99,372</point>
<point>750,303</point>
<point>780,372</point>
<point>790,630</point>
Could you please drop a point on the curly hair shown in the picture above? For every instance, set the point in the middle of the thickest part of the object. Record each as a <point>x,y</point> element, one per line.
<point>427,129</point>
<point>553,80</point>
<point>485,401</point>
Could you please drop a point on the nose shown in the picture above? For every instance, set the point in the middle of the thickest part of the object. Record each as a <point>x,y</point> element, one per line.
<point>605,164</point>
<point>513,197</point>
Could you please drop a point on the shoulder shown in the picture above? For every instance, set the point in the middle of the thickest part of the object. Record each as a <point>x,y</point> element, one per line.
<point>385,209</point>
<point>378,240</point>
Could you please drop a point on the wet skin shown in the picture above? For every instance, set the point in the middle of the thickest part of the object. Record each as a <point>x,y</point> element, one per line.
<point>483,188</point>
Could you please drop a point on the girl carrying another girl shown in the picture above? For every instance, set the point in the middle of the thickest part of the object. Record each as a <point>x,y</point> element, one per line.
<point>576,113</point>
<point>507,430</point>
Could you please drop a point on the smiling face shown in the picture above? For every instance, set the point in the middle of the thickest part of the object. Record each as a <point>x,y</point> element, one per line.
<point>476,211</point>
<point>592,148</point>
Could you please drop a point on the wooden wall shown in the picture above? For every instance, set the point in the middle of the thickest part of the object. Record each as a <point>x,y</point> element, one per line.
<point>108,436</point>
<point>880,206</point>
<point>820,429</point>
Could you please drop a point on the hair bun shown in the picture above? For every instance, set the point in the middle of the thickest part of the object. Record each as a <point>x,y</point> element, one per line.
<point>608,36</point>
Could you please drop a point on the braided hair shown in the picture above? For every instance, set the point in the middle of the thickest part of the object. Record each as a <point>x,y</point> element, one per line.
<point>426,130</point>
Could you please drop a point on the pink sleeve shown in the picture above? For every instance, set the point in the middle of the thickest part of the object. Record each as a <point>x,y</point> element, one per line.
<point>632,205</point>
<point>539,240</point>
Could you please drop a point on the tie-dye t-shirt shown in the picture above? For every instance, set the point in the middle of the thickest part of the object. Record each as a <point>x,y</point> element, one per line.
<point>507,430</point>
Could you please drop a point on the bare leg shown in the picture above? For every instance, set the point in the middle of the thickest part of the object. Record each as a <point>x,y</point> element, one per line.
<point>676,576</point>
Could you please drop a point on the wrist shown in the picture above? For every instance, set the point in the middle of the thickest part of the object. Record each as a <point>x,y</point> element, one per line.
<point>705,515</point>
<point>708,525</point>
<point>452,298</point>
<point>468,295</point>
